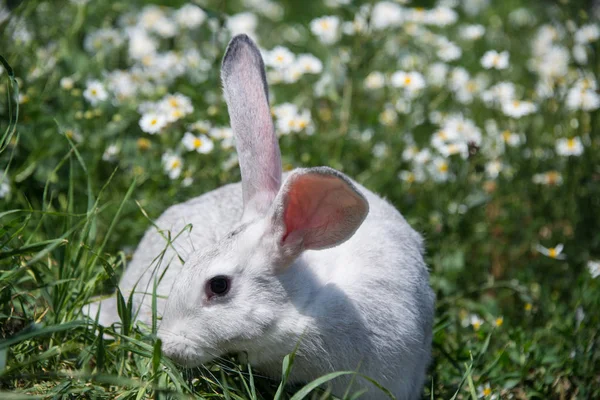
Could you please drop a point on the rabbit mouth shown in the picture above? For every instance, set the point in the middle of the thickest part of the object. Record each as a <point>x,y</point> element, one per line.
<point>184,351</point>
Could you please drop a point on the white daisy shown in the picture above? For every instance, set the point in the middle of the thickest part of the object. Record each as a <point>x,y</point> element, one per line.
<point>326,28</point>
<point>587,34</point>
<point>375,80</point>
<point>472,32</point>
<point>111,152</point>
<point>518,109</point>
<point>172,164</point>
<point>309,64</point>
<point>593,267</point>
<point>152,123</point>
<point>245,22</point>
<point>552,252</point>
<point>475,321</point>
<point>411,81</point>
<point>66,83</point>
<point>95,93</point>
<point>280,57</point>
<point>4,186</point>
<point>201,143</point>
<point>550,178</point>
<point>569,147</point>
<point>493,59</point>
<point>190,16</point>
<point>386,14</point>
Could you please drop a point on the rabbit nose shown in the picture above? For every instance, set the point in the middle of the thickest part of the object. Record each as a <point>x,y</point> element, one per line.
<point>180,349</point>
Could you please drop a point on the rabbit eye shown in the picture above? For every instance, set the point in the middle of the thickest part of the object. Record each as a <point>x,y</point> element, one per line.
<point>218,286</point>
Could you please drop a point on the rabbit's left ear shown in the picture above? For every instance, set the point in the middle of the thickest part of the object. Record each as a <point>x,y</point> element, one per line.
<point>247,96</point>
<point>316,208</point>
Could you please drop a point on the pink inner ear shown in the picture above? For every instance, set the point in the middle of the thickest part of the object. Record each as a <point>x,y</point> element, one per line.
<point>316,207</point>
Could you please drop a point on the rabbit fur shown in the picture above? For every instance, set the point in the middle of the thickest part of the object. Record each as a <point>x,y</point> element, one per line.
<point>315,262</point>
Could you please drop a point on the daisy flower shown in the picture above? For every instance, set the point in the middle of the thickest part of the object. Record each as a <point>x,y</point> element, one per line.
<point>569,147</point>
<point>172,164</point>
<point>201,143</point>
<point>517,108</point>
<point>386,14</point>
<point>475,321</point>
<point>493,59</point>
<point>326,28</point>
<point>587,34</point>
<point>152,123</point>
<point>67,83</point>
<point>549,178</point>
<point>485,392</point>
<point>411,81</point>
<point>4,186</point>
<point>594,268</point>
<point>375,80</point>
<point>190,16</point>
<point>309,64</point>
<point>582,99</point>
<point>279,58</point>
<point>111,152</point>
<point>472,32</point>
<point>95,93</point>
<point>552,252</point>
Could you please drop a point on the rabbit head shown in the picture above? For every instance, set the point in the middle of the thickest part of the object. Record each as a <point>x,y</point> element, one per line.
<point>230,294</point>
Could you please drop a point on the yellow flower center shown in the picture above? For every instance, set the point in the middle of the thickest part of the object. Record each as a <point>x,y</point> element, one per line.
<point>324,24</point>
<point>197,143</point>
<point>506,135</point>
<point>442,135</point>
<point>302,124</point>
<point>516,103</point>
<point>443,167</point>
<point>476,325</point>
<point>528,307</point>
<point>94,92</point>
<point>552,252</point>
<point>571,143</point>
<point>173,102</point>
<point>153,122</point>
<point>407,80</point>
<point>471,86</point>
<point>552,177</point>
<point>143,143</point>
<point>499,321</point>
<point>175,164</point>
<point>69,133</point>
<point>487,391</point>
<point>410,178</point>
<point>279,58</point>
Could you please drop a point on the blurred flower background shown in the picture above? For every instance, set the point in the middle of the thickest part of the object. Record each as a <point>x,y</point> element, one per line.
<point>478,120</point>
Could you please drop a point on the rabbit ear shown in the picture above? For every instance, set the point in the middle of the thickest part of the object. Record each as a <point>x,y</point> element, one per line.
<point>246,94</point>
<point>316,208</point>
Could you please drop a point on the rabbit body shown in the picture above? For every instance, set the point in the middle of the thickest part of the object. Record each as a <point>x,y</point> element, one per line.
<point>318,264</point>
<point>364,304</point>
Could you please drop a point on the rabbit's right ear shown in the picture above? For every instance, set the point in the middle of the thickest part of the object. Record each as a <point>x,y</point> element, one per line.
<point>246,94</point>
<point>316,208</point>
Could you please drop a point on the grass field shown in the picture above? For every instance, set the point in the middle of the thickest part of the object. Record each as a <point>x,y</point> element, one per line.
<point>477,119</point>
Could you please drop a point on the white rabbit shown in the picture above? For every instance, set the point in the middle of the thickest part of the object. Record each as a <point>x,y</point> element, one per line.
<point>317,261</point>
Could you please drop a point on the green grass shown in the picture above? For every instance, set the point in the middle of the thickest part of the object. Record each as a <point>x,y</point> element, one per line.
<point>71,219</point>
